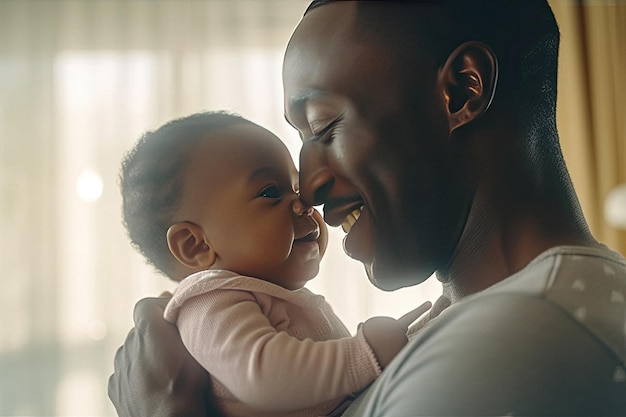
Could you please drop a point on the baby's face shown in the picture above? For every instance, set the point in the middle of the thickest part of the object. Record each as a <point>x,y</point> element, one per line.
<point>240,188</point>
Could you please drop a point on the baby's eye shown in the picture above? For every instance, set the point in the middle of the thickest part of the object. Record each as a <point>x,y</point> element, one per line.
<point>271,191</point>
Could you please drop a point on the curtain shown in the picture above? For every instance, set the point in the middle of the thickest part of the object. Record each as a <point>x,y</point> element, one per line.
<point>80,80</point>
<point>591,106</point>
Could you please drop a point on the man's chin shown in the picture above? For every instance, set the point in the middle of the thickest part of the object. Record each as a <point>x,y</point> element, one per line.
<point>391,279</point>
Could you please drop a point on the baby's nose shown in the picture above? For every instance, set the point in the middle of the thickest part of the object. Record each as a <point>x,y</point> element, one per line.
<point>301,209</point>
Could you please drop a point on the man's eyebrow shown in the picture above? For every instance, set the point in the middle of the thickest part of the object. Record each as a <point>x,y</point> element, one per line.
<point>297,101</point>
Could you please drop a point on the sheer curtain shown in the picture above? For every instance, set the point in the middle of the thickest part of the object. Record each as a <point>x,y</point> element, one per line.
<point>79,82</point>
<point>592,104</point>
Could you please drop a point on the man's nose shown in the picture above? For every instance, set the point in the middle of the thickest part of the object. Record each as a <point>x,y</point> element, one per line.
<point>316,179</point>
<point>300,209</point>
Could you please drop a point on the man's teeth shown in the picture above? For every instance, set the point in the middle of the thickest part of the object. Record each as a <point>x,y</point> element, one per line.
<point>350,219</point>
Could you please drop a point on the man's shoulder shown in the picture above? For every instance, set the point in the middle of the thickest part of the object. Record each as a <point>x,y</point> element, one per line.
<point>565,268</point>
<point>522,347</point>
<point>508,354</point>
<point>586,285</point>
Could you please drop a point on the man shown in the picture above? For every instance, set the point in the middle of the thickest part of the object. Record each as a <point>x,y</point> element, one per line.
<point>432,123</point>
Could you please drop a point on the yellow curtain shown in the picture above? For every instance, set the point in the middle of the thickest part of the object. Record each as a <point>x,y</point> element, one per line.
<point>591,108</point>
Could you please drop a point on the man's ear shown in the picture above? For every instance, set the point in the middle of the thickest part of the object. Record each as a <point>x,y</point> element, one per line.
<point>468,79</point>
<point>188,244</point>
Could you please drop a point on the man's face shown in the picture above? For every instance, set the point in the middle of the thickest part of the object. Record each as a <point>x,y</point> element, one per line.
<point>376,147</point>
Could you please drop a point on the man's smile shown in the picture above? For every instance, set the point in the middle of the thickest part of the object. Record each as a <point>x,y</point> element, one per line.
<point>338,210</point>
<point>358,241</point>
<point>350,219</point>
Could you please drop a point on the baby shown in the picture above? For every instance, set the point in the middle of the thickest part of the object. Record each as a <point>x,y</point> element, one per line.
<point>211,200</point>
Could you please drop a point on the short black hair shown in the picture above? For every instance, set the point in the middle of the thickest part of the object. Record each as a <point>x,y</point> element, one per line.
<point>524,36</point>
<point>522,33</point>
<point>151,181</point>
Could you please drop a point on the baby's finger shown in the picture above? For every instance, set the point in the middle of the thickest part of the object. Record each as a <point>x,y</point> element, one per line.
<point>441,304</point>
<point>413,315</point>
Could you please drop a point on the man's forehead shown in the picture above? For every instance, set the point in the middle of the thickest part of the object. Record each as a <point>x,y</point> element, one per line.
<point>336,28</point>
<point>325,22</point>
<point>321,38</point>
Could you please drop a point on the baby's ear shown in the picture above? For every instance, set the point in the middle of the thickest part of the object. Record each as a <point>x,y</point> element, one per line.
<point>188,244</point>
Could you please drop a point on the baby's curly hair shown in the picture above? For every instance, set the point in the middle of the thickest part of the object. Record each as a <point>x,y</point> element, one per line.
<point>151,181</point>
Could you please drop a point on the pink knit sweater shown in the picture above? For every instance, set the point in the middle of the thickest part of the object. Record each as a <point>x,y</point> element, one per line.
<point>270,351</point>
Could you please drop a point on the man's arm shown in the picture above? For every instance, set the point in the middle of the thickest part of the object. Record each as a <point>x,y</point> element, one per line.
<point>154,374</point>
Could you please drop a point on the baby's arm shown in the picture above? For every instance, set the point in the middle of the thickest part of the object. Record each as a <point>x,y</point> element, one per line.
<point>229,335</point>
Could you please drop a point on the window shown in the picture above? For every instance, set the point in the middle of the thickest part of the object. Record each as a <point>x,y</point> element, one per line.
<point>80,82</point>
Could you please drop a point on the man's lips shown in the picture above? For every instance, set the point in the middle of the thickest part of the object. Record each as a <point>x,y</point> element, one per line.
<point>358,242</point>
<point>342,210</point>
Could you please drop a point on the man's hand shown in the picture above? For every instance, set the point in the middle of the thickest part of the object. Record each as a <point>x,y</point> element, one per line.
<point>154,374</point>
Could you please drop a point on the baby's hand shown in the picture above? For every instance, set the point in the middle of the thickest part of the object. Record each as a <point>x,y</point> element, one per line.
<point>441,304</point>
<point>387,336</point>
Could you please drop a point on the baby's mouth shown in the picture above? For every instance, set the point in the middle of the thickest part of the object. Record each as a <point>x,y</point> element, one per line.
<point>350,219</point>
<point>311,236</point>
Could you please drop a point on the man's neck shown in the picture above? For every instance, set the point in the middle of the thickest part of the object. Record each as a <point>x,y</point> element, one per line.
<point>492,248</point>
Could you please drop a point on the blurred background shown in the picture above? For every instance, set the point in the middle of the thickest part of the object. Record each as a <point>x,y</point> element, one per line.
<point>81,80</point>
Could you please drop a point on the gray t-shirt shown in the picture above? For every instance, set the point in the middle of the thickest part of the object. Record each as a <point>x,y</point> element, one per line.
<point>549,340</point>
